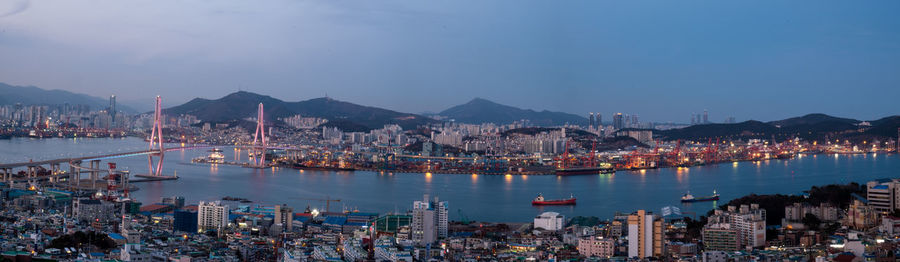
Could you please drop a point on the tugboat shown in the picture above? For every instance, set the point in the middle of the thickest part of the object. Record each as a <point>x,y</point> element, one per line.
<point>688,198</point>
<point>540,201</point>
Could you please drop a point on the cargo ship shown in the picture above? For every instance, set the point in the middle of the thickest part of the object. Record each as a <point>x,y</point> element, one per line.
<point>582,171</point>
<point>324,168</point>
<point>540,201</point>
<point>688,198</point>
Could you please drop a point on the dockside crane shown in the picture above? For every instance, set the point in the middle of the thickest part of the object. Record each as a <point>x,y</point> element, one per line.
<point>327,201</point>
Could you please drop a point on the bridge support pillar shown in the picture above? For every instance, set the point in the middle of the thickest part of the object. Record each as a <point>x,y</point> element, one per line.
<point>32,175</point>
<point>95,165</point>
<point>74,173</point>
<point>54,173</point>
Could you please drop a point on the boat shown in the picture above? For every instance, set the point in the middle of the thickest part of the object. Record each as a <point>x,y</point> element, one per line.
<point>688,198</point>
<point>580,171</point>
<point>540,201</point>
<point>219,150</point>
<point>324,168</point>
<point>214,158</point>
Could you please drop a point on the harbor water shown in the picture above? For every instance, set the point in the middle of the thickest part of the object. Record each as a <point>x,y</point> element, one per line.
<point>494,198</point>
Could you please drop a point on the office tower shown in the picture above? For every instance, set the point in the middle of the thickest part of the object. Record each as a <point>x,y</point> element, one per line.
<point>591,125</point>
<point>284,215</point>
<point>429,221</point>
<point>112,111</point>
<point>645,235</point>
<point>705,117</point>
<point>212,216</point>
<point>618,121</point>
<point>882,194</point>
<point>634,121</point>
<point>600,120</point>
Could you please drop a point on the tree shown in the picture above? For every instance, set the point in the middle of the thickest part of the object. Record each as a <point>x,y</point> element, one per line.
<point>811,221</point>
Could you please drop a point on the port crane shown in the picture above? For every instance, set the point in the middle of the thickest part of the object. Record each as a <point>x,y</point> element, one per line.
<point>327,201</point>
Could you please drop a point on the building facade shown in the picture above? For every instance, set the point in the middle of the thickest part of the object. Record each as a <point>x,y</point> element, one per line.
<point>646,235</point>
<point>596,247</point>
<point>429,221</point>
<point>211,216</point>
<point>549,221</point>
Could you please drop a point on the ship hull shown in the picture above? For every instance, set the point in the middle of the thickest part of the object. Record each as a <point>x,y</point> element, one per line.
<point>583,171</point>
<point>323,168</point>
<point>702,199</point>
<point>561,202</point>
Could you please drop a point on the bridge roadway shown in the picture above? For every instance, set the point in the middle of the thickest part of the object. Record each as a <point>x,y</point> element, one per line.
<point>120,155</point>
<point>146,152</point>
<point>107,156</point>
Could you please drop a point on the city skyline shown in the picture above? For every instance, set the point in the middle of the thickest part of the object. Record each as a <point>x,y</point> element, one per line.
<point>728,58</point>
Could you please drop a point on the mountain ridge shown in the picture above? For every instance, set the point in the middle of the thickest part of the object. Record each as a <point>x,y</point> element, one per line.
<point>243,104</point>
<point>32,95</point>
<point>480,110</point>
<point>811,126</point>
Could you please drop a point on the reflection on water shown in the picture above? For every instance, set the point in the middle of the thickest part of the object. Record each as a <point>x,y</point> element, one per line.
<point>480,196</point>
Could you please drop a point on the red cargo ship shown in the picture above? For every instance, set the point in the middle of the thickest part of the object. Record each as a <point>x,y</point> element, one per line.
<point>540,201</point>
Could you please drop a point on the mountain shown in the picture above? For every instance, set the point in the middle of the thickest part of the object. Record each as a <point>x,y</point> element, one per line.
<point>810,127</point>
<point>240,105</point>
<point>234,106</point>
<point>30,95</point>
<point>481,110</point>
<point>813,119</point>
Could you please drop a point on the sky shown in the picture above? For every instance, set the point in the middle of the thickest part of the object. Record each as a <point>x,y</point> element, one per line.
<point>662,60</point>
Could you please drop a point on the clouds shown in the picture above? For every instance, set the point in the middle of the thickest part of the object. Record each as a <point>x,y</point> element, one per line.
<point>12,7</point>
<point>639,57</point>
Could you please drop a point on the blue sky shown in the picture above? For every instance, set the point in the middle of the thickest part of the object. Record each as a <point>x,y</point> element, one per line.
<point>662,60</point>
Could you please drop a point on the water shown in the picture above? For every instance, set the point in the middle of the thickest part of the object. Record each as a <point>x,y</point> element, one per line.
<point>479,197</point>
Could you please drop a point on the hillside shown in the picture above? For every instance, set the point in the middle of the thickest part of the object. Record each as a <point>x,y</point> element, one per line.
<point>481,110</point>
<point>809,127</point>
<point>813,119</point>
<point>371,117</point>
<point>30,95</point>
<point>240,105</point>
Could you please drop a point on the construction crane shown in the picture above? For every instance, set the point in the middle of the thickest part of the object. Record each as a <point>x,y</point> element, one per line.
<point>327,201</point>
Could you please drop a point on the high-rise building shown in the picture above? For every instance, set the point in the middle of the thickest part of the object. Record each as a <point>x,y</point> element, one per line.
<point>646,233</point>
<point>705,116</point>
<point>591,125</point>
<point>284,216</point>
<point>429,221</point>
<point>618,121</point>
<point>211,216</point>
<point>599,121</point>
<point>112,111</point>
